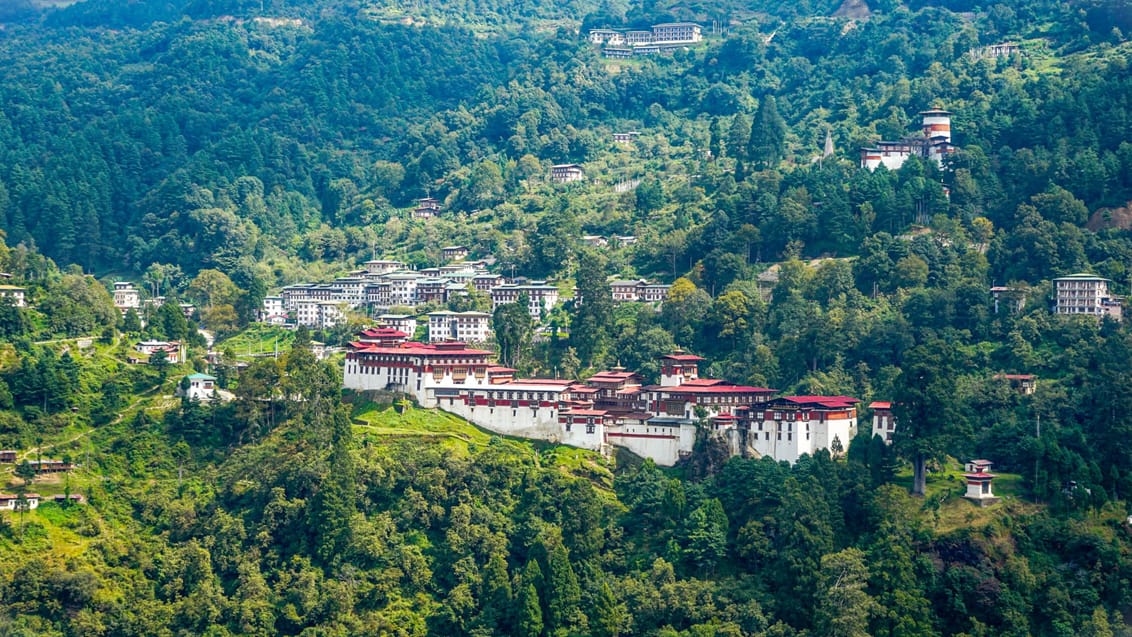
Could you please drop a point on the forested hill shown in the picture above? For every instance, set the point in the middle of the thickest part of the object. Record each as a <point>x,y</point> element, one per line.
<point>192,133</point>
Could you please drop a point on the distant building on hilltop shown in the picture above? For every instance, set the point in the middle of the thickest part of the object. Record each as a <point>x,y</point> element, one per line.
<point>18,295</point>
<point>427,208</point>
<point>1085,294</point>
<point>933,143</point>
<point>619,43</point>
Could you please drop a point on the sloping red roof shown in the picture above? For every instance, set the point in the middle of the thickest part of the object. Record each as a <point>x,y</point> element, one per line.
<point>585,412</point>
<point>876,404</point>
<point>682,357</point>
<point>414,348</point>
<point>823,401</point>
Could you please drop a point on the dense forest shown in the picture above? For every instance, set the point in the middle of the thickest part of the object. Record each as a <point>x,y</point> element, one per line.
<point>214,150</point>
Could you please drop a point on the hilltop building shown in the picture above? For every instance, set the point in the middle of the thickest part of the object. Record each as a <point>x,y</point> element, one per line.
<point>466,327</point>
<point>611,408</point>
<point>933,144</point>
<point>619,43</point>
<point>1085,294</point>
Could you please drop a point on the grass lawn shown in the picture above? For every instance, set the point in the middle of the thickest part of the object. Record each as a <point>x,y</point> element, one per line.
<point>945,489</point>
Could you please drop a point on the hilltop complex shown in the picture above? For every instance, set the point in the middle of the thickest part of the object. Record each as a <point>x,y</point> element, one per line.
<point>611,408</point>
<point>933,143</point>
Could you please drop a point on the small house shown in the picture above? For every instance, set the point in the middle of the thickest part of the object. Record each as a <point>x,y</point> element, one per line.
<point>17,295</point>
<point>197,387</point>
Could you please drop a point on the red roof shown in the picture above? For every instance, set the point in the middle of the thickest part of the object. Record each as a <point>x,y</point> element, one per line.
<point>691,358</point>
<point>501,369</point>
<point>413,348</point>
<point>703,382</point>
<point>720,389</point>
<point>823,401</point>
<point>585,412</point>
<point>379,332</point>
<point>979,476</point>
<point>1015,376</point>
<point>880,405</point>
<point>613,376</point>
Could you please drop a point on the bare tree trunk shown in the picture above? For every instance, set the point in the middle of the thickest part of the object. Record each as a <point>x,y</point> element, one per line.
<point>919,475</point>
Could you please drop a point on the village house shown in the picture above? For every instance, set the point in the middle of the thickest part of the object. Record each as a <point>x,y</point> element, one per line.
<point>453,253</point>
<point>50,466</point>
<point>485,282</point>
<point>566,173</point>
<point>8,456</point>
<point>382,266</point>
<point>197,386</point>
<point>466,327</point>
<point>174,351</point>
<point>1024,384</point>
<point>126,297</point>
<point>625,138</point>
<point>427,208</point>
<point>1085,294</point>
<point>932,144</point>
<point>17,295</point>
<point>9,502</point>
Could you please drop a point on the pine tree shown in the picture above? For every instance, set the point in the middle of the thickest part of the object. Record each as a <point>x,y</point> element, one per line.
<point>767,144</point>
<point>593,310</point>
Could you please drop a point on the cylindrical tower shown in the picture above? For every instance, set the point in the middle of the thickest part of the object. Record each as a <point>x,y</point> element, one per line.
<point>937,123</point>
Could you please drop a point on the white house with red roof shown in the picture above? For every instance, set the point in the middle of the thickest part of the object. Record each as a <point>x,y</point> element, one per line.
<point>417,369</point>
<point>884,423</point>
<point>787,427</point>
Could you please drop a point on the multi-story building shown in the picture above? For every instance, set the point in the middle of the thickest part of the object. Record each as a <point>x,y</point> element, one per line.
<point>933,143</point>
<point>383,266</point>
<point>466,327</point>
<point>453,253</point>
<point>884,423</point>
<point>427,208</point>
<point>639,291</point>
<point>402,322</point>
<point>353,290</point>
<point>566,173</point>
<point>1085,294</point>
<point>785,428</point>
<point>485,282</point>
<point>541,297</point>
<point>319,314</point>
<point>272,311</point>
<point>677,32</point>
<point>417,369</point>
<point>126,296</point>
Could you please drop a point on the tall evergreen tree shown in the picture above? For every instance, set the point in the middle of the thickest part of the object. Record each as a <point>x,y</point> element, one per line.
<point>593,310</point>
<point>767,145</point>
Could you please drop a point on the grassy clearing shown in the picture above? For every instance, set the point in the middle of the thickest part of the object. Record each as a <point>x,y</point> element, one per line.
<point>258,339</point>
<point>378,423</point>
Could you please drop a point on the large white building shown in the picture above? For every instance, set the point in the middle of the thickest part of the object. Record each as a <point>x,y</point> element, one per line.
<point>541,298</point>
<point>319,314</point>
<point>126,297</point>
<point>466,327</point>
<point>1085,294</point>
